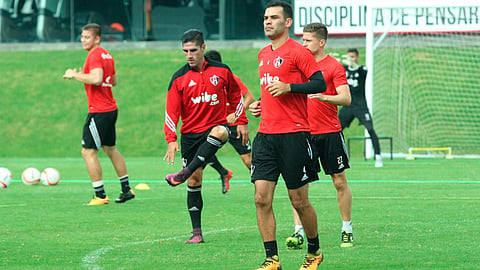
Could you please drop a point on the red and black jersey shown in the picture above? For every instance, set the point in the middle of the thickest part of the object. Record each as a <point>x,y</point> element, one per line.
<point>200,98</point>
<point>100,97</point>
<point>242,120</point>
<point>290,63</point>
<point>323,116</point>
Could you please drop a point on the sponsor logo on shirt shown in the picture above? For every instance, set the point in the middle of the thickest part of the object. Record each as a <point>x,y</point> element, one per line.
<point>106,56</point>
<point>214,80</point>
<point>205,97</point>
<point>277,62</point>
<point>268,79</point>
<point>107,82</point>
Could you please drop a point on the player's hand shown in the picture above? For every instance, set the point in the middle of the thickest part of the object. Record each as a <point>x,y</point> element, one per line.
<point>231,118</point>
<point>170,155</point>
<point>242,131</point>
<point>70,73</point>
<point>277,88</point>
<point>255,108</point>
<point>319,96</point>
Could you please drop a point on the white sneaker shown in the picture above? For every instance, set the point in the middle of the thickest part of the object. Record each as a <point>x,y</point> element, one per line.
<point>378,161</point>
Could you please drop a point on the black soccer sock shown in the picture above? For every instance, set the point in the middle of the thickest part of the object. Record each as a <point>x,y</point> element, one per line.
<point>195,205</point>
<point>124,183</point>
<point>205,152</point>
<point>270,248</point>
<point>375,141</point>
<point>215,163</point>
<point>99,189</point>
<point>313,244</point>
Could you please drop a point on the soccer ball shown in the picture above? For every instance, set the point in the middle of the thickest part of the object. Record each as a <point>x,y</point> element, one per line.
<point>31,176</point>
<point>5,177</point>
<point>50,177</point>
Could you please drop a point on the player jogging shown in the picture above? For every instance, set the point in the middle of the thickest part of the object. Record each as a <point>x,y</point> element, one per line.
<point>198,94</point>
<point>356,76</point>
<point>327,138</point>
<point>239,141</point>
<point>99,77</point>
<point>288,71</point>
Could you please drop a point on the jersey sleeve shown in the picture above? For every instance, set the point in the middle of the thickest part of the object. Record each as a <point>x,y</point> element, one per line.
<point>306,62</point>
<point>172,112</point>
<point>234,96</point>
<point>339,76</point>
<point>95,61</point>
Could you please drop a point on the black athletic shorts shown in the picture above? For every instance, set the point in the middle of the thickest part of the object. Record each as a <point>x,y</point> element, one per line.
<point>99,130</point>
<point>190,142</point>
<point>237,142</point>
<point>288,154</point>
<point>347,114</point>
<point>330,149</point>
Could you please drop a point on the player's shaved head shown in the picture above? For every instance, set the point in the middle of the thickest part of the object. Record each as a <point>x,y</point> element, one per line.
<point>94,28</point>
<point>193,35</point>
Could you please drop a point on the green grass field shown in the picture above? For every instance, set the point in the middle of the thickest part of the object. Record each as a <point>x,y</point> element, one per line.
<point>420,214</point>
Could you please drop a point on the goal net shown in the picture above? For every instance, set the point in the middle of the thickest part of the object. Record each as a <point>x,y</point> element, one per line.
<point>424,74</point>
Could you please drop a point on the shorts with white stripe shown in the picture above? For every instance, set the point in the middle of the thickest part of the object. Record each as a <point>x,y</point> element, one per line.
<point>99,130</point>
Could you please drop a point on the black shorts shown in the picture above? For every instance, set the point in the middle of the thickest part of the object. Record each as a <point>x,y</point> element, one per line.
<point>347,114</point>
<point>189,144</point>
<point>288,154</point>
<point>99,130</point>
<point>237,142</point>
<point>330,149</point>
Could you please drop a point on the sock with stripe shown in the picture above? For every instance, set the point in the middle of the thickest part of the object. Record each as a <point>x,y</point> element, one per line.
<point>195,205</point>
<point>124,183</point>
<point>205,152</point>
<point>99,189</point>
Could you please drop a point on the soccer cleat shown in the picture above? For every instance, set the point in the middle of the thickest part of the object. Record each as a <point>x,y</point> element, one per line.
<point>99,201</point>
<point>347,239</point>
<point>176,179</point>
<point>295,241</point>
<point>312,261</point>
<point>271,263</point>
<point>226,181</point>
<point>125,196</point>
<point>378,161</point>
<point>195,239</point>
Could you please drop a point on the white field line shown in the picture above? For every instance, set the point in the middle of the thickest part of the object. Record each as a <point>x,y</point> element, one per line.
<point>12,205</point>
<point>89,261</point>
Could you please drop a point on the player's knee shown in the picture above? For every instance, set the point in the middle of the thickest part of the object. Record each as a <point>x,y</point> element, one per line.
<point>88,152</point>
<point>339,181</point>
<point>220,132</point>
<point>262,201</point>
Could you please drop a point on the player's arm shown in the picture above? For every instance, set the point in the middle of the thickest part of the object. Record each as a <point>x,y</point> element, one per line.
<point>316,84</point>
<point>242,132</point>
<point>172,115</point>
<point>248,98</point>
<point>114,80</point>
<point>234,96</point>
<point>343,97</point>
<point>255,108</point>
<point>95,77</point>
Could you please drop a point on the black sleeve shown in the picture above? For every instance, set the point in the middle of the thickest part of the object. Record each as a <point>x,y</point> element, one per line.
<point>316,84</point>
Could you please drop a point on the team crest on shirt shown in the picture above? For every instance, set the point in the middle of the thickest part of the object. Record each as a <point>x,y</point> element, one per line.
<point>277,62</point>
<point>214,80</point>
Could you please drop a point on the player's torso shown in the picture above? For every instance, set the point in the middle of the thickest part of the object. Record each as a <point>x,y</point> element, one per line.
<point>286,113</point>
<point>356,81</point>
<point>100,97</point>
<point>323,116</point>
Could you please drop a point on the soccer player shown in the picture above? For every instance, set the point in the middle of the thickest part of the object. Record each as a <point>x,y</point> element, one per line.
<point>327,137</point>
<point>288,72</point>
<point>356,76</point>
<point>99,77</point>
<point>198,94</point>
<point>239,141</point>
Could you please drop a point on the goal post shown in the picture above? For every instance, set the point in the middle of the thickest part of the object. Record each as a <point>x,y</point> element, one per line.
<point>423,86</point>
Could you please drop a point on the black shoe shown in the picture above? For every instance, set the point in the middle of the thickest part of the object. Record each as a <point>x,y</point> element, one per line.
<point>125,196</point>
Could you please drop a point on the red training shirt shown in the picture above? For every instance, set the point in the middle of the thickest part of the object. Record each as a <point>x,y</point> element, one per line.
<point>200,98</point>
<point>100,97</point>
<point>323,116</point>
<point>290,63</point>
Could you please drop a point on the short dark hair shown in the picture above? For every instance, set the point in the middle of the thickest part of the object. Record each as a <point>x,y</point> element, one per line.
<point>319,29</point>
<point>354,50</point>
<point>193,35</point>
<point>287,8</point>
<point>214,55</point>
<point>95,28</point>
